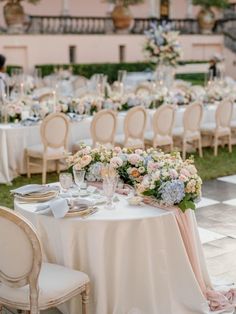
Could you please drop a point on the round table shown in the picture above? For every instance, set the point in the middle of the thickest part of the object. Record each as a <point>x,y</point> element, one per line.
<point>134,256</point>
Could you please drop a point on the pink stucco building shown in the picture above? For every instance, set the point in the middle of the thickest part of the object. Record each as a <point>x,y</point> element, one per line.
<point>30,49</point>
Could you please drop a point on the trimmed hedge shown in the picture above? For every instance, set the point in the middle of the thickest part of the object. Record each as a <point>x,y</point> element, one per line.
<point>194,78</point>
<point>10,67</point>
<point>111,69</point>
<point>87,70</point>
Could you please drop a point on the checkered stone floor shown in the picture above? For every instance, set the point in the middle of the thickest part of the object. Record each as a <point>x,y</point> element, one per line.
<point>216,217</point>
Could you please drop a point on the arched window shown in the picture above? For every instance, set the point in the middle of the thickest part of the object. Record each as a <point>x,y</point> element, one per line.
<point>164,9</point>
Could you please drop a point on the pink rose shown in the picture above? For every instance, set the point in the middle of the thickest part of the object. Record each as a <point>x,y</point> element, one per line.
<point>116,162</point>
<point>134,159</point>
<point>185,172</point>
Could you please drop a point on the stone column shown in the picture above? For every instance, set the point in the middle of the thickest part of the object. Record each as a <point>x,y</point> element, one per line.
<point>65,8</point>
<point>152,8</point>
<point>189,9</point>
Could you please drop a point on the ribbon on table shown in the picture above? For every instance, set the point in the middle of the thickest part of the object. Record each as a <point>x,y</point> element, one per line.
<point>217,300</point>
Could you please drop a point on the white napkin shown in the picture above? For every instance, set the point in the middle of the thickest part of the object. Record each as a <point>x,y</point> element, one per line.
<point>58,207</point>
<point>27,189</point>
<point>33,188</point>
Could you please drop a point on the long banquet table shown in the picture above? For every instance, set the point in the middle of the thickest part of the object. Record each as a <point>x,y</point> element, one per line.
<point>14,138</point>
<point>134,256</point>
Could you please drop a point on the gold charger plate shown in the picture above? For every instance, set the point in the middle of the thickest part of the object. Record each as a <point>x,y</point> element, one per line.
<point>37,197</point>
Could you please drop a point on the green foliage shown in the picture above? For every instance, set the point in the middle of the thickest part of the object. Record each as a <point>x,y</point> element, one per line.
<point>186,203</point>
<point>221,4</point>
<point>10,67</point>
<point>111,70</point>
<point>194,78</point>
<point>87,70</point>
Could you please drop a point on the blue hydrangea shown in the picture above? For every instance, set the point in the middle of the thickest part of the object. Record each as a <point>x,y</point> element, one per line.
<point>94,172</point>
<point>172,192</point>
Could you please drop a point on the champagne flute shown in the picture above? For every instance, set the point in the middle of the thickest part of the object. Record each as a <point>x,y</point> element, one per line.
<point>79,178</point>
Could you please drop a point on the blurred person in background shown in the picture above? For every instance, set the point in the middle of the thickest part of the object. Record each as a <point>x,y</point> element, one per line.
<point>3,76</point>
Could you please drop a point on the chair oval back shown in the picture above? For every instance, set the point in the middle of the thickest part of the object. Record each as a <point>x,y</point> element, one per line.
<point>103,127</point>
<point>54,130</point>
<point>135,123</point>
<point>45,97</point>
<point>80,81</point>
<point>192,117</point>
<point>163,120</point>
<point>21,256</point>
<point>143,89</point>
<point>224,113</point>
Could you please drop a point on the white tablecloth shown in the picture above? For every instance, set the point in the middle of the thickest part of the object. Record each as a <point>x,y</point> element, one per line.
<point>134,256</point>
<point>14,138</point>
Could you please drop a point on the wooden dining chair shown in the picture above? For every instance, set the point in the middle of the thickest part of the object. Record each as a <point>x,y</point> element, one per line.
<point>190,133</point>
<point>102,130</point>
<point>54,136</point>
<point>134,128</point>
<point>45,97</point>
<point>221,129</point>
<point>143,89</point>
<point>26,282</point>
<point>103,127</point>
<point>162,124</point>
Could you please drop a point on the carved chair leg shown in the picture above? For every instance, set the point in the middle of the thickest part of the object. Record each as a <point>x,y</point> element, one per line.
<point>28,166</point>
<point>1,309</point>
<point>44,172</point>
<point>58,166</point>
<point>85,300</point>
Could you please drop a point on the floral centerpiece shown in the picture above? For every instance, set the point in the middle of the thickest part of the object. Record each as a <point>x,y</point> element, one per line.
<point>14,111</point>
<point>172,181</point>
<point>162,45</point>
<point>90,160</point>
<point>166,178</point>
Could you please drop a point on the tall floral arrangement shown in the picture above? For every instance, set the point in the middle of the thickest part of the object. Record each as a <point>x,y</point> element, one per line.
<point>162,45</point>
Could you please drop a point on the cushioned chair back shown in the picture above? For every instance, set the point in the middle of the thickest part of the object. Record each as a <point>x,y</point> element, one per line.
<point>81,81</point>
<point>193,117</point>
<point>224,113</point>
<point>45,97</point>
<point>103,127</point>
<point>163,120</point>
<point>135,123</point>
<point>54,130</point>
<point>20,257</point>
<point>144,90</point>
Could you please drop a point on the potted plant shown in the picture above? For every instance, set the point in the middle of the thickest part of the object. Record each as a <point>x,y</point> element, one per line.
<point>121,15</point>
<point>206,16</point>
<point>14,15</point>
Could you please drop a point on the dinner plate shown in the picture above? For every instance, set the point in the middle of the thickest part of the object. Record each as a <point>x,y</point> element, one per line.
<point>37,197</point>
<point>81,213</point>
<point>80,207</point>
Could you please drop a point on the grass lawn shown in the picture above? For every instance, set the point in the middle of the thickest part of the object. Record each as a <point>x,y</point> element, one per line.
<point>209,167</point>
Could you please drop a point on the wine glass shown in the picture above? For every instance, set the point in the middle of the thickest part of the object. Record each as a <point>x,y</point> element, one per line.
<point>121,76</point>
<point>66,181</point>
<point>79,178</point>
<point>109,187</point>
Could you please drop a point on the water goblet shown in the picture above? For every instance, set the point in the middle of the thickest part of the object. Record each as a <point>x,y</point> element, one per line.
<point>66,181</point>
<point>79,178</point>
<point>109,187</point>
